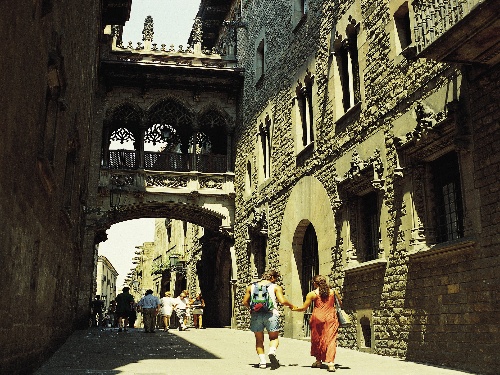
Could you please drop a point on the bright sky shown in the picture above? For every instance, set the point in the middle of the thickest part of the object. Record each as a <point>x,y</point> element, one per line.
<point>172,23</point>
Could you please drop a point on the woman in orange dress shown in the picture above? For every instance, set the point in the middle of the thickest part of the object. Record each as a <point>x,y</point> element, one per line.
<point>324,322</point>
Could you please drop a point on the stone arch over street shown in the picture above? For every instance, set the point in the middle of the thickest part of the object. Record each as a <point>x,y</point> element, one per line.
<point>308,204</point>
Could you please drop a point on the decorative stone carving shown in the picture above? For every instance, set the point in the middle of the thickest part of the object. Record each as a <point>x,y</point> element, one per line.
<point>211,182</point>
<point>197,32</point>
<point>147,31</point>
<point>166,181</point>
<point>257,221</point>
<point>118,179</point>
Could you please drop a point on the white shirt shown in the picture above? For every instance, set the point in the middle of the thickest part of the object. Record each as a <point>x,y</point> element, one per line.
<point>181,303</point>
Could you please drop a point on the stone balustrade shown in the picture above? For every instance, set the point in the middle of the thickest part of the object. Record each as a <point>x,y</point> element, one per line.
<point>435,17</point>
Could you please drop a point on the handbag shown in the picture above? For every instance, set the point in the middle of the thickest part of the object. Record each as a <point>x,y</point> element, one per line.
<point>344,318</point>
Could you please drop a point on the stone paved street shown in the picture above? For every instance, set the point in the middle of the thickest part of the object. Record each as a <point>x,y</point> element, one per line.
<point>205,352</point>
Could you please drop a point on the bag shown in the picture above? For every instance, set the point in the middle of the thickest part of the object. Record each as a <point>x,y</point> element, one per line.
<point>344,318</point>
<point>260,300</point>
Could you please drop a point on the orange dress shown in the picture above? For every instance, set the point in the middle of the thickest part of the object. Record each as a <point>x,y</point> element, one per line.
<point>324,327</point>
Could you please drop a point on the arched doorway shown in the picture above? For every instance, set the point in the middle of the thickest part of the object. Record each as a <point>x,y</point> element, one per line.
<point>306,239</point>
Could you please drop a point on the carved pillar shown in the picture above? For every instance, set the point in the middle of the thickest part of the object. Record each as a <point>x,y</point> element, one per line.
<point>106,141</point>
<point>418,207</point>
<point>147,32</point>
<point>229,154</point>
<point>139,146</point>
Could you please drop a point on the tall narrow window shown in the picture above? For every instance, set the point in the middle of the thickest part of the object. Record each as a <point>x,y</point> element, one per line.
<point>402,21</point>
<point>448,198</point>
<point>370,226</point>
<point>403,27</point>
<point>248,179</point>
<point>265,145</point>
<point>346,53</point>
<point>305,108</point>
<point>260,63</point>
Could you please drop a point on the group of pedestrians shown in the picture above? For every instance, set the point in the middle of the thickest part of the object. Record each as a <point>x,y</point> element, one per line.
<point>151,306</point>
<point>324,323</point>
<point>184,308</point>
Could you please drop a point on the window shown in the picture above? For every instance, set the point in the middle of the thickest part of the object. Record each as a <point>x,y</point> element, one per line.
<point>300,8</point>
<point>448,206</point>
<point>248,178</point>
<point>370,226</point>
<point>403,27</point>
<point>305,108</point>
<point>260,62</point>
<point>265,147</point>
<point>346,54</point>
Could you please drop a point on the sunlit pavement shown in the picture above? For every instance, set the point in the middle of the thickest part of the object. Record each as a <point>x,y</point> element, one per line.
<point>204,352</point>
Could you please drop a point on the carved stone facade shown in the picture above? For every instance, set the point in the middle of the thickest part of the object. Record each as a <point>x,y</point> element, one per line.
<point>397,177</point>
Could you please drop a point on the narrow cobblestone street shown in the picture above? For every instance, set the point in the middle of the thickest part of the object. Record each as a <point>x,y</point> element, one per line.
<point>208,351</point>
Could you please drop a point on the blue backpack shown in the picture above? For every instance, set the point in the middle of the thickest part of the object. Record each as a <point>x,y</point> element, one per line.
<point>260,300</point>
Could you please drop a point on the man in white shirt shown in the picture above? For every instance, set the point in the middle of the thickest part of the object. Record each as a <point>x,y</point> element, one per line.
<point>149,305</point>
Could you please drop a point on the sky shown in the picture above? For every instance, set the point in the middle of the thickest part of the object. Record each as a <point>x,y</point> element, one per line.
<point>172,23</point>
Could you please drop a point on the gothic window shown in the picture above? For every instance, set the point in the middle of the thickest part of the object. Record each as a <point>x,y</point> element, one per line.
<point>260,61</point>
<point>370,226</point>
<point>305,109</point>
<point>448,208</point>
<point>214,124</point>
<point>120,135</point>
<point>403,26</point>
<point>346,54</point>
<point>265,147</point>
<point>122,154</point>
<point>248,178</point>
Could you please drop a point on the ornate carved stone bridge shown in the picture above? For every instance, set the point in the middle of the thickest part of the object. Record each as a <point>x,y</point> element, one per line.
<point>168,119</point>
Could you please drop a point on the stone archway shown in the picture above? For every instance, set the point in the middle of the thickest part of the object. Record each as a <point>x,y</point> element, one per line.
<point>308,203</point>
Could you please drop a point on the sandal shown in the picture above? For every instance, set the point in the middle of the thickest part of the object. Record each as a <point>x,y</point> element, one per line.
<point>331,367</point>
<point>316,364</point>
<point>262,365</point>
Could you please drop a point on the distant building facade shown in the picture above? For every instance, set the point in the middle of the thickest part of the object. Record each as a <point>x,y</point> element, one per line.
<point>106,280</point>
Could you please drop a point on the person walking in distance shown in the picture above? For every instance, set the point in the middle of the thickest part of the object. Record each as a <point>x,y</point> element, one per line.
<point>197,306</point>
<point>324,322</point>
<point>149,305</point>
<point>261,298</point>
<point>180,305</point>
<point>166,309</point>
<point>124,303</point>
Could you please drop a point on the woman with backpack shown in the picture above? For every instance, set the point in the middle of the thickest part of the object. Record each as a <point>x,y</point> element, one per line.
<point>261,298</point>
<point>324,322</point>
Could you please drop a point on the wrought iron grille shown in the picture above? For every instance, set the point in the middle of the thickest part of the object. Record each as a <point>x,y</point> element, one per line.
<point>166,161</point>
<point>122,159</point>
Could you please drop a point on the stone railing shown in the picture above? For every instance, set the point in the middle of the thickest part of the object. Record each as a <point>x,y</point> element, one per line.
<point>433,18</point>
<point>148,52</point>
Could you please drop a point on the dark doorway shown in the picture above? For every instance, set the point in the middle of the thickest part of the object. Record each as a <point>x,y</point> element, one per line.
<point>310,268</point>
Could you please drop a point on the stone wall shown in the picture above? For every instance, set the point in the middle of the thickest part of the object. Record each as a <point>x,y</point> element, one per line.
<point>416,296</point>
<point>48,80</point>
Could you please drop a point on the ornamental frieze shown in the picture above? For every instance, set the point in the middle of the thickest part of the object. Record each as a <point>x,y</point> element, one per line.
<point>166,181</point>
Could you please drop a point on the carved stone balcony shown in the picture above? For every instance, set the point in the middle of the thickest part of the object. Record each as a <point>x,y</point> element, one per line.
<point>458,31</point>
